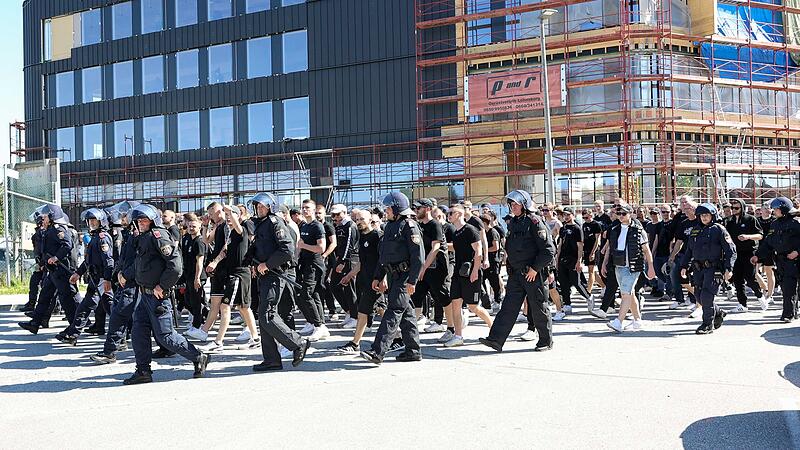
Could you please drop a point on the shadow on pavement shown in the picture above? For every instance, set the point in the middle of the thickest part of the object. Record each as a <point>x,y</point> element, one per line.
<point>763,429</point>
<point>783,336</point>
<point>791,373</point>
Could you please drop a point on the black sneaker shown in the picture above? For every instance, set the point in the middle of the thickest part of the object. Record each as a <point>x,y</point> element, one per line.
<point>397,346</point>
<point>122,347</point>
<point>95,331</point>
<point>70,340</point>
<point>60,337</point>
<point>371,356</point>
<point>200,365</point>
<point>139,377</point>
<point>543,347</point>
<point>351,348</point>
<point>409,356</point>
<point>300,353</point>
<point>704,329</point>
<point>162,353</point>
<point>102,358</point>
<point>264,367</point>
<point>491,344</point>
<point>28,307</point>
<point>719,316</point>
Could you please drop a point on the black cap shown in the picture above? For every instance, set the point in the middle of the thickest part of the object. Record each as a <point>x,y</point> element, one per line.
<point>294,211</point>
<point>626,208</point>
<point>569,210</point>
<point>423,202</point>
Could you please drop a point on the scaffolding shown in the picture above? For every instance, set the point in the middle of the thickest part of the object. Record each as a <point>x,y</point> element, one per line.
<point>663,98</point>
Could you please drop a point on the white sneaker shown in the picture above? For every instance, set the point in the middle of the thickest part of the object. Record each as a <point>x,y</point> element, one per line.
<point>696,313</point>
<point>559,316</point>
<point>522,318</point>
<point>422,321</point>
<point>333,317</point>
<point>634,325</point>
<point>567,309</point>
<point>590,303</point>
<point>237,320</point>
<point>252,343</point>
<point>676,305</point>
<point>599,313</point>
<point>769,300</point>
<point>737,309</point>
<point>615,325</point>
<point>528,335</point>
<point>213,347</point>
<point>349,323</point>
<point>243,337</point>
<point>435,328</point>
<point>777,291</point>
<point>285,352</point>
<point>445,337</point>
<point>307,329</point>
<point>693,306</point>
<point>731,295</point>
<point>189,318</point>
<point>455,341</point>
<point>189,330</point>
<point>464,318</point>
<point>495,308</point>
<point>198,334</point>
<point>763,302</point>
<point>320,333</point>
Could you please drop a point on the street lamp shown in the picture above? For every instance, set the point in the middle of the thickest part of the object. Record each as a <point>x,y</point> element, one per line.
<point>550,185</point>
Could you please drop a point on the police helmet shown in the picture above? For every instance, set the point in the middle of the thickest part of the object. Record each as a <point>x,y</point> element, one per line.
<point>521,197</point>
<point>264,198</point>
<point>782,203</point>
<point>398,202</point>
<point>95,213</point>
<point>145,211</point>
<point>53,212</point>
<point>706,208</point>
<point>113,216</point>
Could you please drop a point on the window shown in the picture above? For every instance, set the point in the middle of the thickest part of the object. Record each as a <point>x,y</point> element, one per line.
<point>153,136</point>
<point>295,52</point>
<point>122,13</point>
<point>259,122</point>
<point>91,27</point>
<point>152,74</point>
<point>92,80</point>
<point>185,12</point>
<point>220,64</point>
<point>93,141</point>
<point>65,144</point>
<point>221,126</point>
<point>187,69</point>
<point>259,58</point>
<point>65,89</point>
<point>219,9</point>
<point>295,118</point>
<point>123,79</point>
<point>291,2</point>
<point>123,138</point>
<point>189,130</point>
<point>257,5</point>
<point>188,75</point>
<point>47,36</point>
<point>153,15</point>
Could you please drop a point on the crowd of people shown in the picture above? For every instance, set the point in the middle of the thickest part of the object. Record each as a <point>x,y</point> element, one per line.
<point>420,267</point>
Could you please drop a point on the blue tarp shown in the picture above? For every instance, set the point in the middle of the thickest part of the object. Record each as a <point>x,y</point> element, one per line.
<point>740,62</point>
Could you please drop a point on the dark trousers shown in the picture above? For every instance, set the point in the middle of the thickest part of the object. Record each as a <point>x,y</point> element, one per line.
<point>434,283</point>
<point>310,302</point>
<point>675,278</point>
<point>56,282</point>
<point>195,300</point>
<point>492,275</point>
<point>89,303</point>
<point>154,316</point>
<point>119,321</point>
<point>344,294</point>
<point>664,281</point>
<point>517,289</point>
<point>273,330</point>
<point>286,304</point>
<point>789,278</point>
<point>399,313</point>
<point>612,287</point>
<point>33,286</point>
<point>324,289</point>
<point>706,285</point>
<point>567,278</point>
<point>744,273</point>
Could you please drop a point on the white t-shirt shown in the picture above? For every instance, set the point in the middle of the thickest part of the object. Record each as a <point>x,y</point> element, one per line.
<point>623,237</point>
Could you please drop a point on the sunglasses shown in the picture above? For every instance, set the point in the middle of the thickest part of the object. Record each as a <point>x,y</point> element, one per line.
<point>622,213</point>
<point>665,212</point>
<point>736,208</point>
<point>545,210</point>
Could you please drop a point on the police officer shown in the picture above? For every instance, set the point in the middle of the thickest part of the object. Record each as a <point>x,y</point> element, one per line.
<point>529,250</point>
<point>783,243</point>
<point>38,274</point>
<point>272,254</point>
<point>124,291</point>
<point>158,267</point>
<point>745,232</point>
<point>99,265</point>
<point>710,249</point>
<point>400,261</point>
<point>58,257</point>
<point>115,229</point>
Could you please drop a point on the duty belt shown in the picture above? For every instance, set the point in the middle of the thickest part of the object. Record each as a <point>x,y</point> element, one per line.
<point>397,268</point>
<point>707,264</point>
<point>149,291</point>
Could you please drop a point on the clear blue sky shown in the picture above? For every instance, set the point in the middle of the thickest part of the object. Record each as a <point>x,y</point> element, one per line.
<point>11,80</point>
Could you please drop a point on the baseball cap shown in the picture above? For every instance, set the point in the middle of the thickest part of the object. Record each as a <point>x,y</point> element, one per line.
<point>338,209</point>
<point>423,202</point>
<point>568,210</point>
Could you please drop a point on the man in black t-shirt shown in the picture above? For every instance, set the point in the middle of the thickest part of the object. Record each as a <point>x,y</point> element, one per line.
<point>592,232</point>
<point>492,273</point>
<point>661,249</point>
<point>329,259</point>
<point>434,277</point>
<point>569,263</point>
<point>476,222</point>
<point>193,250</point>
<point>312,246</point>
<point>681,233</point>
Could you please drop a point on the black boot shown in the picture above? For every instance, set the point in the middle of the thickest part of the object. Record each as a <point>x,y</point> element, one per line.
<point>162,353</point>
<point>300,353</point>
<point>139,377</point>
<point>28,307</point>
<point>30,326</point>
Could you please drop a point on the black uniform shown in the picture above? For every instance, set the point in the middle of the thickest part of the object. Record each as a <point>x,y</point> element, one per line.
<point>119,321</point>
<point>400,260</point>
<point>58,241</point>
<point>38,274</point>
<point>117,239</point>
<point>528,245</point>
<point>312,270</point>
<point>765,225</point>
<point>784,238</point>
<point>158,263</point>
<point>492,273</point>
<point>711,251</point>
<point>98,265</point>
<point>743,271</point>
<point>346,253</point>
<point>274,246</point>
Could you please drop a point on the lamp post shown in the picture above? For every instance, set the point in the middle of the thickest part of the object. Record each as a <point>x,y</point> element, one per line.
<point>550,185</point>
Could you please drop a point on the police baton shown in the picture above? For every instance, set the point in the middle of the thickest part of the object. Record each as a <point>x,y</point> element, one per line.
<point>283,277</point>
<point>58,263</point>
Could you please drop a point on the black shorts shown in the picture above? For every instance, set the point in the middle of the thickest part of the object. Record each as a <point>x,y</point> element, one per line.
<point>461,287</point>
<point>437,284</point>
<point>590,262</point>
<point>769,261</point>
<point>367,298</point>
<point>233,287</point>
